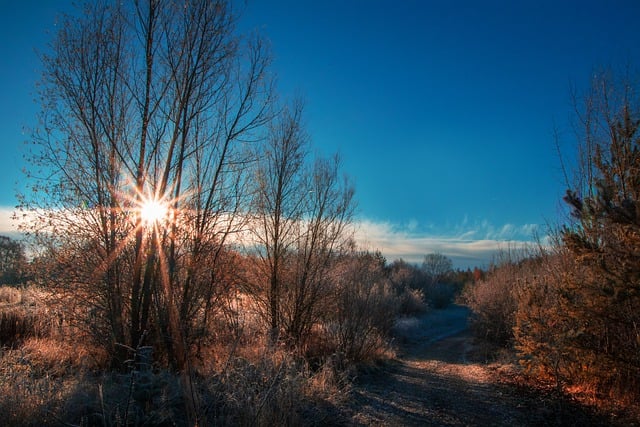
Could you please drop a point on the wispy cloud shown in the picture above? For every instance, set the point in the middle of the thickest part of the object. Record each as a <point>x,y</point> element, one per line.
<point>466,244</point>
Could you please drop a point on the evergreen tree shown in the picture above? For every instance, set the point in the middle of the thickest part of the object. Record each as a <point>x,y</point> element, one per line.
<point>604,292</point>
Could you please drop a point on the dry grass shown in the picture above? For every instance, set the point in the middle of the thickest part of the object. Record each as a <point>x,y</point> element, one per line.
<point>18,324</point>
<point>248,382</point>
<point>61,357</point>
<point>43,383</point>
<point>23,314</point>
<point>48,381</point>
<point>51,376</point>
<point>10,295</point>
<point>30,391</point>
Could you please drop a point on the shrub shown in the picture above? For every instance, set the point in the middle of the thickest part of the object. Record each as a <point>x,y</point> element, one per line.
<point>407,281</point>
<point>366,307</point>
<point>566,334</point>
<point>494,299</point>
<point>10,295</point>
<point>578,320</point>
<point>537,330</point>
<point>411,302</point>
<point>493,307</point>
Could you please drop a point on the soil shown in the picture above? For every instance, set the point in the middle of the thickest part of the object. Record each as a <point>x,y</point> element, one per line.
<point>442,378</point>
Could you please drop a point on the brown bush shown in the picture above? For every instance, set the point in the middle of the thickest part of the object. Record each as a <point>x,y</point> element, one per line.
<point>578,318</point>
<point>10,295</point>
<point>366,308</point>
<point>562,335</point>
<point>494,299</point>
<point>494,305</point>
<point>411,302</point>
<point>17,325</point>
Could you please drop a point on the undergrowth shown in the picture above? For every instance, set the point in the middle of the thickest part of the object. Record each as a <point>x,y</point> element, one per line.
<point>50,374</point>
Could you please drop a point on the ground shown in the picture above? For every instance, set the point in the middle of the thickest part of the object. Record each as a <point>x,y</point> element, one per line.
<point>440,378</point>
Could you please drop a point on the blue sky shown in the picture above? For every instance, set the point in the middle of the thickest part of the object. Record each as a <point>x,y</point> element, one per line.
<point>443,111</point>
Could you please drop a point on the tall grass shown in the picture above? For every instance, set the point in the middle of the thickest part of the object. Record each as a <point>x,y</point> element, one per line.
<point>275,389</point>
<point>60,378</point>
<point>52,372</point>
<point>23,314</point>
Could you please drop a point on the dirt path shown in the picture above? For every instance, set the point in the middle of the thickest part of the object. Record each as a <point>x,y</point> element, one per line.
<point>437,380</point>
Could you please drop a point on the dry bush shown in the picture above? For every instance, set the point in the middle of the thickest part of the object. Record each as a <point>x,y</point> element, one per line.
<point>10,295</point>
<point>365,309</point>
<point>407,281</point>
<point>411,302</point>
<point>494,299</point>
<point>561,339</point>
<point>494,306</point>
<point>538,329</point>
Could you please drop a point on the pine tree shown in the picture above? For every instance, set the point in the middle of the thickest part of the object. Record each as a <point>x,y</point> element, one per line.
<point>602,292</point>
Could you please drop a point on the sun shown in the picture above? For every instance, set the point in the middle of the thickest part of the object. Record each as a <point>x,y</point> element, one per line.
<point>153,211</point>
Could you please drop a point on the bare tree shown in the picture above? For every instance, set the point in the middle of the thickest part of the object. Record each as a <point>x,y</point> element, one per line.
<point>146,103</point>
<point>437,267</point>
<point>322,234</point>
<point>303,211</point>
<point>279,204</point>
